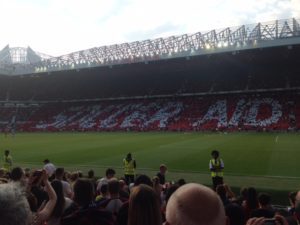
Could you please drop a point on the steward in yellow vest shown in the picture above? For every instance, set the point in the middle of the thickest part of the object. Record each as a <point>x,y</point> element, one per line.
<point>7,161</point>
<point>216,166</point>
<point>129,165</point>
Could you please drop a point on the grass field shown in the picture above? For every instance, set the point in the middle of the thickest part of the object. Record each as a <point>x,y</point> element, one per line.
<point>263,160</point>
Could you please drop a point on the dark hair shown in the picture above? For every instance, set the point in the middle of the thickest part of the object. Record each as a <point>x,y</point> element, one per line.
<point>6,152</point>
<point>264,199</point>
<point>16,174</point>
<point>181,182</point>
<point>170,191</point>
<point>91,173</point>
<point>60,202</point>
<point>113,186</point>
<point>110,171</point>
<point>292,196</point>
<point>46,161</point>
<point>221,191</point>
<point>144,206</point>
<point>104,189</point>
<point>215,152</point>
<point>244,192</point>
<point>235,213</point>
<point>83,192</point>
<point>129,157</point>
<point>59,172</point>
<point>251,200</point>
<point>143,179</point>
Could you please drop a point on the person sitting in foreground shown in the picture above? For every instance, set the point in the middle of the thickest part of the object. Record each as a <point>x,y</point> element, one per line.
<point>15,209</point>
<point>85,211</point>
<point>195,204</point>
<point>144,206</point>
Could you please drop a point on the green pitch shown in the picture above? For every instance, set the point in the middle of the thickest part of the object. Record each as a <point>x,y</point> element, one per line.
<point>264,160</point>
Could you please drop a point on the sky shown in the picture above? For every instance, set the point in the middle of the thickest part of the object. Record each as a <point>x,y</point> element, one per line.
<point>59,27</point>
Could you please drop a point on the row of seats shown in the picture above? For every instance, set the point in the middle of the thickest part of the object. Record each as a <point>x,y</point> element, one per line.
<point>277,111</point>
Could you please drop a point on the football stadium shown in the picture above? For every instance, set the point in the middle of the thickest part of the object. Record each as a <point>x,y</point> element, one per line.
<point>168,101</point>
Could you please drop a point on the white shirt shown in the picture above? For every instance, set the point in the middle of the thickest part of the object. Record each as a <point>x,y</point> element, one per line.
<point>102,181</point>
<point>50,169</point>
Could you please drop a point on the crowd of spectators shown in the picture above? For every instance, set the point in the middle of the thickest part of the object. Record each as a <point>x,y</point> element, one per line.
<point>272,111</point>
<point>60,197</point>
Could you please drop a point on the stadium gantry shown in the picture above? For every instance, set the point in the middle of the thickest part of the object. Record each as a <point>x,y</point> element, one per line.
<point>21,61</point>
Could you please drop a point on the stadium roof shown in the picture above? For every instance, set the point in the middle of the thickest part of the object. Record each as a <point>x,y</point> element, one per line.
<point>19,55</point>
<point>20,61</point>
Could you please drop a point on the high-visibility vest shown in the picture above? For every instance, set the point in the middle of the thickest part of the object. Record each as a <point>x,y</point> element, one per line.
<point>7,163</point>
<point>216,163</point>
<point>128,167</point>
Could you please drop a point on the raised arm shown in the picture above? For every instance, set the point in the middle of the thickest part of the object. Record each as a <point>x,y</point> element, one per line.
<point>45,213</point>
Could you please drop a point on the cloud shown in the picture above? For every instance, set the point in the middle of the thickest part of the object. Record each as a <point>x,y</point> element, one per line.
<point>59,27</point>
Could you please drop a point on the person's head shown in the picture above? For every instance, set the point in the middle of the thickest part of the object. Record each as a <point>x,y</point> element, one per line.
<point>156,185</point>
<point>235,214</point>
<point>215,154</point>
<point>181,182</point>
<point>221,191</point>
<point>80,174</point>
<point>14,207</point>
<point>129,156</point>
<point>264,200</point>
<point>113,187</point>
<point>59,173</point>
<point>155,181</point>
<point>46,161</point>
<point>144,206</point>
<point>143,179</point>
<point>162,168</point>
<point>292,198</point>
<point>251,199</point>
<point>195,204</point>
<point>110,173</point>
<point>35,177</point>
<point>170,191</point>
<point>74,176</point>
<point>6,152</point>
<point>17,174</point>
<point>244,192</point>
<point>297,206</point>
<point>27,172</point>
<point>122,184</point>
<point>91,174</point>
<point>83,192</point>
<point>104,189</point>
<point>60,202</point>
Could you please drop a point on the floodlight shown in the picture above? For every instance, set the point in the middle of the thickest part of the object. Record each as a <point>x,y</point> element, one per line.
<point>207,46</point>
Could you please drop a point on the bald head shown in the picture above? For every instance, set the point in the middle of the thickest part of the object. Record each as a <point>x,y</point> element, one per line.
<point>195,204</point>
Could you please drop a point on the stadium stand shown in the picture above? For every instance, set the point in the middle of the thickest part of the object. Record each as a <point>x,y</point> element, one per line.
<point>260,111</point>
